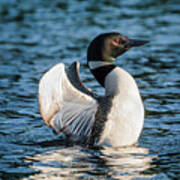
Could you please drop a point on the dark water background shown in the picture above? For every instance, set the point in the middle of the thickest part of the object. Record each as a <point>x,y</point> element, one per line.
<point>36,34</point>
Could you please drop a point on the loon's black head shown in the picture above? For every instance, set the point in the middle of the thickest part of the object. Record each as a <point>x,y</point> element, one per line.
<point>104,49</point>
<point>108,46</point>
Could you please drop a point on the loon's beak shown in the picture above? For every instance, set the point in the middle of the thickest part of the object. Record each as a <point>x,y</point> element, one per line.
<point>135,42</point>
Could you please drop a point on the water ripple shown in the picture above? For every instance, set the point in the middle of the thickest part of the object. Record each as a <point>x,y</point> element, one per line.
<point>38,34</point>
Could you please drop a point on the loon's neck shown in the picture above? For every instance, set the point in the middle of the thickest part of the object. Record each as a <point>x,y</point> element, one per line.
<point>100,69</point>
<point>114,79</point>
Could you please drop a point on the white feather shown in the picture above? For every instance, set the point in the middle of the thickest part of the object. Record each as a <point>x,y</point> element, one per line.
<point>62,106</point>
<point>126,117</point>
<point>97,64</point>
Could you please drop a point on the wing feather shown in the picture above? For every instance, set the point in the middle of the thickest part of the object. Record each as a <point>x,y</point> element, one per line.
<point>64,106</point>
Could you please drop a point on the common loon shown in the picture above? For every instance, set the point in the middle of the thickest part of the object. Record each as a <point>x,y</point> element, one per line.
<point>68,106</point>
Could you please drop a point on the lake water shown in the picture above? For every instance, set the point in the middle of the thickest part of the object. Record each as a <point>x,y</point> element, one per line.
<point>37,34</point>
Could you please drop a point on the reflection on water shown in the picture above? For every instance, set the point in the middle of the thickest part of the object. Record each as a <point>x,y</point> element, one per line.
<point>75,162</point>
<point>36,34</point>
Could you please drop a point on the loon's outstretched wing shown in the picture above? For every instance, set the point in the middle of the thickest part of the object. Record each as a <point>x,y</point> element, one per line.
<point>73,76</point>
<point>65,103</point>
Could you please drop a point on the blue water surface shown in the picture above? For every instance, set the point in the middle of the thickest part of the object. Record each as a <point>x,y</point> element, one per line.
<point>37,34</point>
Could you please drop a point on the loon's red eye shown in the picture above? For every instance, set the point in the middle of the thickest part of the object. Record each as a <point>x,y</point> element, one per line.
<point>116,41</point>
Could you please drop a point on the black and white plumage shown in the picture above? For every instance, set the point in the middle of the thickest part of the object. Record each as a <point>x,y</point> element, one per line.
<point>68,106</point>
<point>64,107</point>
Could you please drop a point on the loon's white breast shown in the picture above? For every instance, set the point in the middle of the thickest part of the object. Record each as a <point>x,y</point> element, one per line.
<point>126,116</point>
